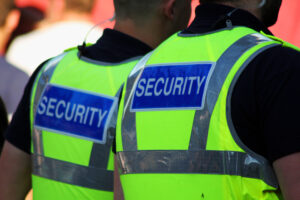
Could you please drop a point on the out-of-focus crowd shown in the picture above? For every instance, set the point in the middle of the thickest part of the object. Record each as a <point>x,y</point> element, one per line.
<point>30,35</point>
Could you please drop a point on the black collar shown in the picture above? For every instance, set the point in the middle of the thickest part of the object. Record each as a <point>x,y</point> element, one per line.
<point>115,47</point>
<point>211,17</point>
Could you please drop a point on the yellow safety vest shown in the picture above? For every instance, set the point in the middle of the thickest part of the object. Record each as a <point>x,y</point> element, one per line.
<point>73,112</point>
<point>175,136</point>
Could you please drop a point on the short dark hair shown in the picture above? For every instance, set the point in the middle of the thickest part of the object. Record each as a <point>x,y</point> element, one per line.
<point>217,1</point>
<point>135,9</point>
<point>5,7</point>
<point>85,6</point>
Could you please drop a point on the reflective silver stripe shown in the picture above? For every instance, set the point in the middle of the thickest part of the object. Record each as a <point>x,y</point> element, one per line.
<point>100,155</point>
<point>194,162</point>
<point>93,178</point>
<point>224,65</point>
<point>128,119</point>
<point>37,141</point>
<point>42,82</point>
<point>101,152</point>
<point>202,117</point>
<point>273,182</point>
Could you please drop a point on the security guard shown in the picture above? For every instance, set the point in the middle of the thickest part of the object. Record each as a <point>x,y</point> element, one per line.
<point>206,113</point>
<point>70,104</point>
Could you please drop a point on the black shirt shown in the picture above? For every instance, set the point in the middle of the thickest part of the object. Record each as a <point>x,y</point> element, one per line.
<point>265,102</point>
<point>112,47</point>
<point>3,122</point>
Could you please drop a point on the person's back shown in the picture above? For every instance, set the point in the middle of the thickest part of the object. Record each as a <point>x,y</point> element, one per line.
<point>202,116</point>
<point>72,98</point>
<point>69,29</point>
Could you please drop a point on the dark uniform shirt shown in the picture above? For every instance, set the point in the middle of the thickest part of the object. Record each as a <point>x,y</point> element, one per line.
<point>3,122</point>
<point>112,47</point>
<point>265,101</point>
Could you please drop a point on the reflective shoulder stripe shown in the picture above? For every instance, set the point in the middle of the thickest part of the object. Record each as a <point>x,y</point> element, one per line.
<point>141,64</point>
<point>232,163</point>
<point>200,127</point>
<point>194,162</point>
<point>128,125</point>
<point>101,152</point>
<point>223,67</point>
<point>46,74</point>
<point>93,178</point>
<point>231,127</point>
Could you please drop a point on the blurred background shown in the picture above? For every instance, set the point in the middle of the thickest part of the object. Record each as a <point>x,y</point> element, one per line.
<point>287,27</point>
<point>56,25</point>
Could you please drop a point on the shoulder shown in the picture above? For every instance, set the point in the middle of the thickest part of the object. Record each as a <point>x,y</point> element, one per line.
<point>273,66</point>
<point>279,57</point>
<point>265,103</point>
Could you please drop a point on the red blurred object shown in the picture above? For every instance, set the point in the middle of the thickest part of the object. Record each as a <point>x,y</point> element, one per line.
<point>104,9</point>
<point>287,27</point>
<point>288,24</point>
<point>41,4</point>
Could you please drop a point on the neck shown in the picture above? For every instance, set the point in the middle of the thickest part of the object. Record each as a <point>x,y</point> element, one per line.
<point>146,33</point>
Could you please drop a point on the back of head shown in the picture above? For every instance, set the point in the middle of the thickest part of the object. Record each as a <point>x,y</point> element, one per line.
<point>237,3</point>
<point>143,11</point>
<point>5,7</point>
<point>84,6</point>
<point>137,10</point>
<point>154,19</point>
<point>265,10</point>
<point>217,1</point>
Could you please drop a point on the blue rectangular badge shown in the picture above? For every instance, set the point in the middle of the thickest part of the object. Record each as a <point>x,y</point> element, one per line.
<point>172,87</point>
<point>74,112</point>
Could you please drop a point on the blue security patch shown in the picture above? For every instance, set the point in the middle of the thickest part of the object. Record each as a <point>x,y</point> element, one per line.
<point>173,86</point>
<point>74,112</point>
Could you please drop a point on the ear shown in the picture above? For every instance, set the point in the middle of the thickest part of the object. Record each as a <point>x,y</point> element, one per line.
<point>169,9</point>
<point>12,20</point>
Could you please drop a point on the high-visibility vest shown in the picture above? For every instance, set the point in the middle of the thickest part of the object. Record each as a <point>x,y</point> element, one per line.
<point>175,137</point>
<point>73,112</point>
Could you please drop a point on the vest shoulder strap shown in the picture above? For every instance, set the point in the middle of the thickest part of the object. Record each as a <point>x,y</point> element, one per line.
<point>284,43</point>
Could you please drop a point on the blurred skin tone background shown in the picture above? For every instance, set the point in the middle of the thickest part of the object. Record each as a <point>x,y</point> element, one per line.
<point>287,26</point>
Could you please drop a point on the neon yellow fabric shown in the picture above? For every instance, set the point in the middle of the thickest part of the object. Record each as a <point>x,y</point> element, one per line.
<point>48,189</point>
<point>192,187</point>
<point>78,74</point>
<point>162,130</point>
<point>144,120</point>
<point>284,43</point>
<point>219,137</point>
